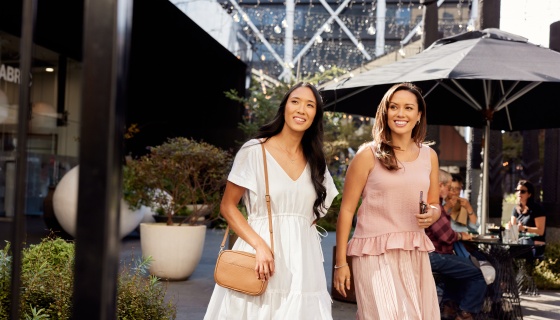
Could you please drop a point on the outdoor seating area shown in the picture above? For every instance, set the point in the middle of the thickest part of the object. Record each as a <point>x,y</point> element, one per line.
<point>512,282</point>
<point>502,296</point>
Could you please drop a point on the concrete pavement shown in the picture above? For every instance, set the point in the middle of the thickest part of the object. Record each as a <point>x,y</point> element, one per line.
<point>192,295</point>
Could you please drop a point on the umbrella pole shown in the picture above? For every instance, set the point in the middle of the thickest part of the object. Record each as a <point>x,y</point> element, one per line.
<point>485,179</point>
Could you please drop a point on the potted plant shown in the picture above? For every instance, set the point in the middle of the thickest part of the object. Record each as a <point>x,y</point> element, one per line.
<point>179,178</point>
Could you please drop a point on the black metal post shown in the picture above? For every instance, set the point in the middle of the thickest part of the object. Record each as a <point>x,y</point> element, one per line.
<point>29,12</point>
<point>551,176</point>
<point>429,23</point>
<point>107,28</point>
<point>61,90</point>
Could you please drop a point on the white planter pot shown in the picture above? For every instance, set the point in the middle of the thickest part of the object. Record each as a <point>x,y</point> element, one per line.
<point>65,204</point>
<point>176,250</point>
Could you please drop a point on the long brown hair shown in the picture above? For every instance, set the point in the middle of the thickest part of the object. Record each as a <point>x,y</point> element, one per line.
<point>311,143</point>
<point>384,151</point>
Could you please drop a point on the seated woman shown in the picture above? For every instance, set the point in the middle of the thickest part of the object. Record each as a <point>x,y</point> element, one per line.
<point>528,216</point>
<point>463,218</point>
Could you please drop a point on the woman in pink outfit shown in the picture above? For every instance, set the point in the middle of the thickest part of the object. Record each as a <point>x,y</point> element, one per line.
<point>389,249</point>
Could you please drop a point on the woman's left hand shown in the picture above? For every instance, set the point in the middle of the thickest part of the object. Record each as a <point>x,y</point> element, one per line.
<point>425,219</point>
<point>341,279</point>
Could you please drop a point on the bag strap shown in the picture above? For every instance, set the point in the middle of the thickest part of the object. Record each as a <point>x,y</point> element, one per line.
<point>267,197</point>
<point>268,207</point>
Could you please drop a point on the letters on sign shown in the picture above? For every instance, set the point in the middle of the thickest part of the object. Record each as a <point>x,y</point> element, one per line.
<point>9,74</point>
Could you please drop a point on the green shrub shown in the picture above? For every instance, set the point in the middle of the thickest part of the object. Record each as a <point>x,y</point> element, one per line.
<point>175,174</point>
<point>141,297</point>
<point>47,278</point>
<point>5,284</point>
<point>547,271</point>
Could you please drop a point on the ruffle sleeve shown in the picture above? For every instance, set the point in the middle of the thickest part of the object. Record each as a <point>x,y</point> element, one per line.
<point>244,166</point>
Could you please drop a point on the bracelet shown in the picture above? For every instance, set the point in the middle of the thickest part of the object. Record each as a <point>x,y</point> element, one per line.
<point>338,267</point>
<point>470,213</point>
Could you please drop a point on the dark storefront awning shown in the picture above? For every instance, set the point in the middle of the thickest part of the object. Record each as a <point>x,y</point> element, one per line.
<point>172,62</point>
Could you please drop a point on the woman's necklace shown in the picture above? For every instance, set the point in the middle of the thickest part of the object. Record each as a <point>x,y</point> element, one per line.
<point>406,154</point>
<point>285,149</point>
<point>292,160</point>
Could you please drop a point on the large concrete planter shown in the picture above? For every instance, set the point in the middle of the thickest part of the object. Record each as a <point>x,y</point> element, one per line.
<point>65,203</point>
<point>176,250</point>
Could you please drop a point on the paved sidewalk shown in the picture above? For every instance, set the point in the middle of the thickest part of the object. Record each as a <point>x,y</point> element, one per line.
<point>192,295</point>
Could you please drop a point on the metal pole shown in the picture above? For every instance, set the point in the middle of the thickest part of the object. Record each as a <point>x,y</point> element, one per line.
<point>289,39</point>
<point>27,29</point>
<point>380,26</point>
<point>485,179</point>
<point>106,42</point>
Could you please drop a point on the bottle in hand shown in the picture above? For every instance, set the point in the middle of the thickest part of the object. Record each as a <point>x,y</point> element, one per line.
<point>423,205</point>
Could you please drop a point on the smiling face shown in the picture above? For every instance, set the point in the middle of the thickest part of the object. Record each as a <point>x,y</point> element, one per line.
<point>455,189</point>
<point>403,113</point>
<point>300,110</point>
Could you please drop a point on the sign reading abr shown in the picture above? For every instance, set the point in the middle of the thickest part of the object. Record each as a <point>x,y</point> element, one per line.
<point>9,74</point>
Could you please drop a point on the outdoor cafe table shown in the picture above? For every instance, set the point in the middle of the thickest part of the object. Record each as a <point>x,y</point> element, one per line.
<point>502,296</point>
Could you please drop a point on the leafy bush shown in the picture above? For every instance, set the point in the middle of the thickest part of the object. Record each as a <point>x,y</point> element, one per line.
<point>547,271</point>
<point>176,174</point>
<point>5,282</point>
<point>141,297</point>
<point>47,285</point>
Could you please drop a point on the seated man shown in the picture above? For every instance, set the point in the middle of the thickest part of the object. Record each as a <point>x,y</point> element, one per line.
<point>465,286</point>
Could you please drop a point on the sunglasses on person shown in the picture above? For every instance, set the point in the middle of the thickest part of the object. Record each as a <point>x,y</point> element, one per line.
<point>521,191</point>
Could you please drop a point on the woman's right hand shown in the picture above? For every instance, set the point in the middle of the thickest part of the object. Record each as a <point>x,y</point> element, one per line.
<point>341,279</point>
<point>264,269</point>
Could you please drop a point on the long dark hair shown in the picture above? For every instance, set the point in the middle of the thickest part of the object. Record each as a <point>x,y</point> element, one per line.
<point>531,189</point>
<point>384,151</point>
<point>312,142</point>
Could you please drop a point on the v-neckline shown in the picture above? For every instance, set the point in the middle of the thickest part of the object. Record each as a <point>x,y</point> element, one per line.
<point>282,168</point>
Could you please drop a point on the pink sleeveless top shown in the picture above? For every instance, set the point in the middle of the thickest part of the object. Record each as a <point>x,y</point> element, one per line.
<point>390,199</point>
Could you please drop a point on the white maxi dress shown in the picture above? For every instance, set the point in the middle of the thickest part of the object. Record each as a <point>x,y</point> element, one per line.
<point>298,288</point>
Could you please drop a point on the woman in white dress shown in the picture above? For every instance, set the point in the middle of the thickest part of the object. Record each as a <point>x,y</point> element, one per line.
<point>301,190</point>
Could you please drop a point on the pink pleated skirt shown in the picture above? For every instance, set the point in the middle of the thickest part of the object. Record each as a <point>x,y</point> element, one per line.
<point>397,285</point>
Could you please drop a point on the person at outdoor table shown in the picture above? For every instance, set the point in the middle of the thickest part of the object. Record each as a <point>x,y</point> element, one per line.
<point>301,191</point>
<point>464,284</point>
<point>389,249</point>
<point>528,216</point>
<point>463,218</point>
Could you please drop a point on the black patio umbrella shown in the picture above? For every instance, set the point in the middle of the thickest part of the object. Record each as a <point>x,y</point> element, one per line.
<point>487,79</point>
